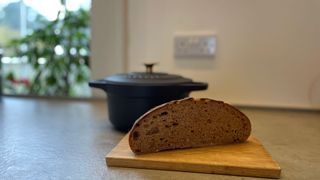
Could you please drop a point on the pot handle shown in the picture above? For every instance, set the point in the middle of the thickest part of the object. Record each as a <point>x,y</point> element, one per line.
<point>98,84</point>
<point>193,86</point>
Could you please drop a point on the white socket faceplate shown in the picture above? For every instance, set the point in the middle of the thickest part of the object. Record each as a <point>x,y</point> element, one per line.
<point>194,45</point>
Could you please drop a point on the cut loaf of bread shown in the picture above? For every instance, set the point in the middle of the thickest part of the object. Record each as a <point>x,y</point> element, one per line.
<point>188,123</point>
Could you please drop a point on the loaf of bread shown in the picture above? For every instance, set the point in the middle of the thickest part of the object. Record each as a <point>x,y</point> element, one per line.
<point>188,123</point>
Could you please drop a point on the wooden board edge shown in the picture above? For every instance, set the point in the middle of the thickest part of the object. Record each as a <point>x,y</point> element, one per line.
<point>233,170</point>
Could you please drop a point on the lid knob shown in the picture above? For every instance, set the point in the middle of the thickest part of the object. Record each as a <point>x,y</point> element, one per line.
<point>149,67</point>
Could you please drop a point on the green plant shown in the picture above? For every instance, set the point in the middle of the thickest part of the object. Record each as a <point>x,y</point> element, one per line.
<point>58,53</point>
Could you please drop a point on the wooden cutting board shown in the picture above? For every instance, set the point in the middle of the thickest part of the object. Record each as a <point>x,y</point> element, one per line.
<point>245,159</point>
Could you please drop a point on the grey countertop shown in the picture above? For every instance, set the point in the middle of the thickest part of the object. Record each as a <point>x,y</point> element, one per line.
<point>68,139</point>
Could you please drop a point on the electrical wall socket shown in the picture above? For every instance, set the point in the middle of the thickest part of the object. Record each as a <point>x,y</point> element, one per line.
<point>194,45</point>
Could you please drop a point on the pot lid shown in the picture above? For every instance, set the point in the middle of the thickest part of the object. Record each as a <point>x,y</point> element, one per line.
<point>146,78</point>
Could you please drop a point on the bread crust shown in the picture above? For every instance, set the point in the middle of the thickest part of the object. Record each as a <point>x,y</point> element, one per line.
<point>188,123</point>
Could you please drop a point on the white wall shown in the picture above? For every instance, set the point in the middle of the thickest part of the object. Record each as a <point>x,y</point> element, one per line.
<point>268,51</point>
<point>108,43</point>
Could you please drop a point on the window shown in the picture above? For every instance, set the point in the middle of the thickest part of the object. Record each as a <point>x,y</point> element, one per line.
<point>51,53</point>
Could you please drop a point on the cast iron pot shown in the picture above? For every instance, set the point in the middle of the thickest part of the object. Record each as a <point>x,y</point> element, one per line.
<point>131,95</point>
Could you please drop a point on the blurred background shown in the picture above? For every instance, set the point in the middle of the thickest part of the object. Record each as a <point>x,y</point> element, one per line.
<point>45,47</point>
<point>267,52</point>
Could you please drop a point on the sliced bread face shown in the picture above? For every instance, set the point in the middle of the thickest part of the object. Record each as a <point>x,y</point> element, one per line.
<point>188,123</point>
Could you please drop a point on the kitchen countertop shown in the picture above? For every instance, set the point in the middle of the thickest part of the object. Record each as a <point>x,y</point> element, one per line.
<point>68,139</point>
